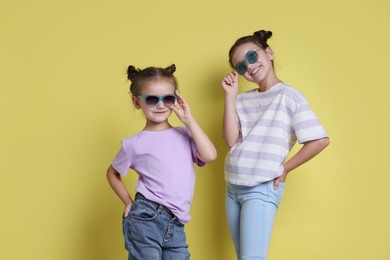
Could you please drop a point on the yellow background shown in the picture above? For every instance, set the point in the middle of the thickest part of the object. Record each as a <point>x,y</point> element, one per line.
<point>64,106</point>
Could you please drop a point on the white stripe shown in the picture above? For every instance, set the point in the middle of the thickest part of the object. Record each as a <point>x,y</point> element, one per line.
<point>255,164</point>
<point>308,132</point>
<point>268,148</point>
<point>269,115</point>
<point>267,131</point>
<point>245,179</point>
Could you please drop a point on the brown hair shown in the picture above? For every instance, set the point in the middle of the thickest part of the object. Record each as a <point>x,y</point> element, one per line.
<point>259,38</point>
<point>140,77</point>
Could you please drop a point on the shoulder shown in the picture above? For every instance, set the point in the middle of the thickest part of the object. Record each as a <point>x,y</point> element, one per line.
<point>292,94</point>
<point>180,130</point>
<point>247,94</point>
<point>129,141</point>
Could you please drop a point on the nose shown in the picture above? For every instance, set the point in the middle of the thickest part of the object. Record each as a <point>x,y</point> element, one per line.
<point>160,104</point>
<point>249,65</point>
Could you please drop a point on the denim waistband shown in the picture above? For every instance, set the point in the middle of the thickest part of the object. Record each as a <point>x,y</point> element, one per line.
<point>157,206</point>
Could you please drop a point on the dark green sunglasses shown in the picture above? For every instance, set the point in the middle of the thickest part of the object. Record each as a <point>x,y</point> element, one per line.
<point>251,57</point>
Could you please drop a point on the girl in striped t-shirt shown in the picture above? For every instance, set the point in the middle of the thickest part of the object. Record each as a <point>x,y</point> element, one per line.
<point>261,126</point>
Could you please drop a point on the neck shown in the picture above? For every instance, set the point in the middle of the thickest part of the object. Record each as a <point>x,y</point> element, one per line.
<point>157,126</point>
<point>268,83</point>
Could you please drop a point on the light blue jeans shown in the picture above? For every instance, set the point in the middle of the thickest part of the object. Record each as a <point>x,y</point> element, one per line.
<point>250,213</point>
<point>152,232</point>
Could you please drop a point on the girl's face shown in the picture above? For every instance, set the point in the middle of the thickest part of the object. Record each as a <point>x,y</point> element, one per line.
<point>261,70</point>
<point>156,116</point>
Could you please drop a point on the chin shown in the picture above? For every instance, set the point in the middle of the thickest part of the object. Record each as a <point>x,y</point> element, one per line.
<point>253,79</point>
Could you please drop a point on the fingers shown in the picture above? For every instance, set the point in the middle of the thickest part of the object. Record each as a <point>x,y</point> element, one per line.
<point>278,180</point>
<point>276,183</point>
<point>231,79</point>
<point>180,99</point>
<point>127,210</point>
<point>173,108</point>
<point>176,107</point>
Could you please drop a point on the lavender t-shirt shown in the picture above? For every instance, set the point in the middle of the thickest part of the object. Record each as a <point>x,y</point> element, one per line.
<point>164,162</point>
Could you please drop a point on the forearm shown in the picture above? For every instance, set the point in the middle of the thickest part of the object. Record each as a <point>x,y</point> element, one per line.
<point>306,153</point>
<point>116,183</point>
<point>230,128</point>
<point>206,149</point>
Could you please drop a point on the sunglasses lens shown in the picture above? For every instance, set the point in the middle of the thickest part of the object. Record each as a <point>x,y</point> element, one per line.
<point>169,100</point>
<point>241,68</point>
<point>151,101</point>
<point>252,57</point>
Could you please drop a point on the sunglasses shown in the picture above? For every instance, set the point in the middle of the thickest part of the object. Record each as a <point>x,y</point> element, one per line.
<point>152,101</point>
<point>251,57</point>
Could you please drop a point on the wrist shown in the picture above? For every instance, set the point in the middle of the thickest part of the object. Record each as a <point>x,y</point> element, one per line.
<point>229,95</point>
<point>189,122</point>
<point>230,99</point>
<point>286,170</point>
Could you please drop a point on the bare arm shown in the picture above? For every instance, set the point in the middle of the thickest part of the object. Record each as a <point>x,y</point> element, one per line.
<point>206,150</point>
<point>230,127</point>
<point>116,183</point>
<point>308,151</point>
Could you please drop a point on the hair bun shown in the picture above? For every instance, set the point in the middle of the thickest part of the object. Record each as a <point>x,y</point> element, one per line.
<point>171,69</point>
<point>262,36</point>
<point>132,72</point>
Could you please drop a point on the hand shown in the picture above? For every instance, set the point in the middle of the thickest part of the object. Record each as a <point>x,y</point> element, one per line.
<point>230,83</point>
<point>127,210</point>
<point>281,178</point>
<point>181,108</point>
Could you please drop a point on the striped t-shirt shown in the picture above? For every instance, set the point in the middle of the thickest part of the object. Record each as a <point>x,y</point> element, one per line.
<point>270,124</point>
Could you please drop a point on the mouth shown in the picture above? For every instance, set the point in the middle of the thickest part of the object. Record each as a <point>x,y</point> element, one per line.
<point>161,112</point>
<point>255,71</point>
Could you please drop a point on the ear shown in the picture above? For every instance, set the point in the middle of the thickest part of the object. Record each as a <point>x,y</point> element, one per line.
<point>270,53</point>
<point>136,102</point>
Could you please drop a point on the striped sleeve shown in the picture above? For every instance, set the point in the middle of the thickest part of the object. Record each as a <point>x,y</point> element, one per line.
<point>306,125</point>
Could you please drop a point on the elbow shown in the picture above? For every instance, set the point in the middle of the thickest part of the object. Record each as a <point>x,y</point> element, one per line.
<point>230,142</point>
<point>111,172</point>
<point>211,157</point>
<point>208,155</point>
<point>324,142</point>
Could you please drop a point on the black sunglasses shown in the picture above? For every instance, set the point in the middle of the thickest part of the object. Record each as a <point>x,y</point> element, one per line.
<point>152,101</point>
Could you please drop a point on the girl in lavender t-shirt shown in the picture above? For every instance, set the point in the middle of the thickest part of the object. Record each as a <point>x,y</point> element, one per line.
<point>163,156</point>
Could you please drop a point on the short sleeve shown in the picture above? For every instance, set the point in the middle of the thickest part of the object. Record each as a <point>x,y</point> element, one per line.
<point>306,125</point>
<point>194,150</point>
<point>121,161</point>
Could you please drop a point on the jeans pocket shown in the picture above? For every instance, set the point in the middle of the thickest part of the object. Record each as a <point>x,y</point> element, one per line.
<point>142,210</point>
<point>276,195</point>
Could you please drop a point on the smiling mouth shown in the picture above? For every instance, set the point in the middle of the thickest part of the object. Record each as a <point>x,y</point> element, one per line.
<point>255,71</point>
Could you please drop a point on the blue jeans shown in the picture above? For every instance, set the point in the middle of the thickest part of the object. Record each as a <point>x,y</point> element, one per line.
<point>152,231</point>
<point>250,214</point>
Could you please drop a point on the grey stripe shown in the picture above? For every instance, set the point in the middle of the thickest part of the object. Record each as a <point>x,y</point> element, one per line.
<point>257,155</point>
<point>307,124</point>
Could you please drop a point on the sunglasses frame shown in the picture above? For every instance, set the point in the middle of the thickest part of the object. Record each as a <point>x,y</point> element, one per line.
<point>248,59</point>
<point>159,98</point>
